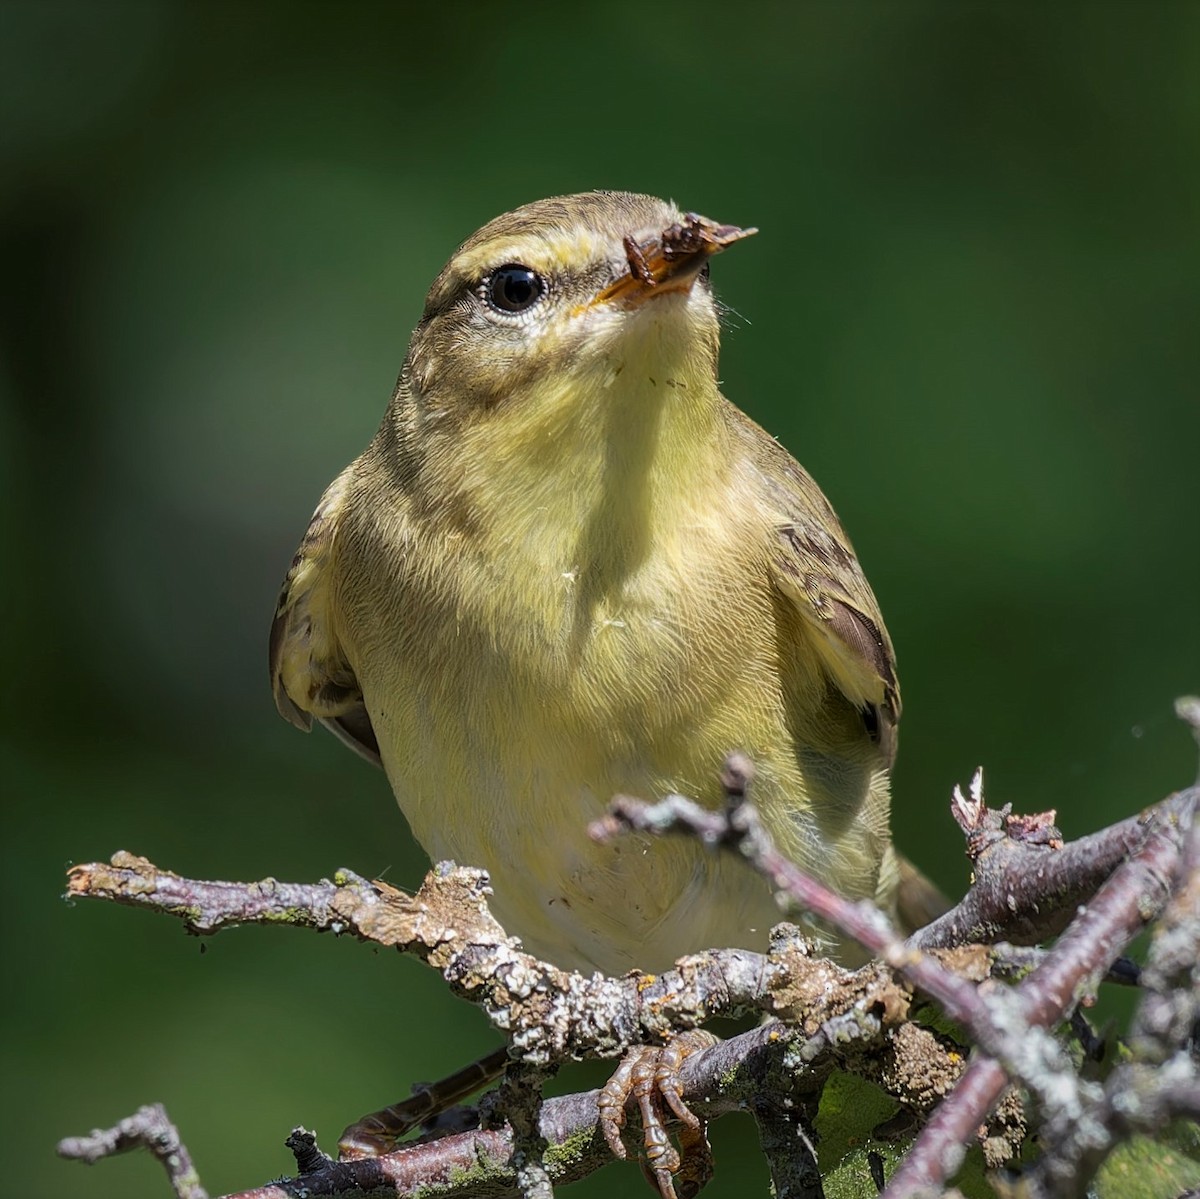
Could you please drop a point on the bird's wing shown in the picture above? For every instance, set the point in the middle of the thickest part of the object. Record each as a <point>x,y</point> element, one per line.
<point>813,565</point>
<point>310,674</point>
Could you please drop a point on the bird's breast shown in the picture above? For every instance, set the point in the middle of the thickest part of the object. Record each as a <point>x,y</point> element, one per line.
<point>511,706</point>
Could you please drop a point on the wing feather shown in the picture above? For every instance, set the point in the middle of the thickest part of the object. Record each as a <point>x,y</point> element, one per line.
<point>815,568</point>
<point>310,674</point>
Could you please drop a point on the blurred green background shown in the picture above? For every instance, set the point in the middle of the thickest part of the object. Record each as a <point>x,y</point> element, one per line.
<point>972,313</point>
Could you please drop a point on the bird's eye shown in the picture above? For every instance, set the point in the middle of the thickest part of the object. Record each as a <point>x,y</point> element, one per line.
<point>513,288</point>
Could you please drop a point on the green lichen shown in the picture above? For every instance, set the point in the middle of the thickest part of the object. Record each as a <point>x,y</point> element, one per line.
<point>851,1109</point>
<point>560,1159</point>
<point>1146,1168</point>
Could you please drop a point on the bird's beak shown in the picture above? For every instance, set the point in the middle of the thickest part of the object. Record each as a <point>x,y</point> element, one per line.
<point>670,262</point>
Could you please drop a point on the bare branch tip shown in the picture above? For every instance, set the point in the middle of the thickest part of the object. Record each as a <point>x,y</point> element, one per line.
<point>148,1128</point>
<point>968,810</point>
<point>621,817</point>
<point>1187,708</point>
<point>737,775</point>
<point>604,830</point>
<point>308,1154</point>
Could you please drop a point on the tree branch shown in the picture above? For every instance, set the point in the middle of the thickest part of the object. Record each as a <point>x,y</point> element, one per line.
<point>1122,907</point>
<point>1027,884</point>
<point>1026,881</point>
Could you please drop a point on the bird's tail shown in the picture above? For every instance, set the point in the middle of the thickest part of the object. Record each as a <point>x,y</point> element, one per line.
<point>918,900</point>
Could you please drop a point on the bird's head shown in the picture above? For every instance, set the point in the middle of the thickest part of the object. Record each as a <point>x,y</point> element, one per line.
<point>545,308</point>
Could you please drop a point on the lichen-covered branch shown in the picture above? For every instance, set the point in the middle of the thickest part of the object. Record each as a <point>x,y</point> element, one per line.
<point>1008,998</point>
<point>551,1015</point>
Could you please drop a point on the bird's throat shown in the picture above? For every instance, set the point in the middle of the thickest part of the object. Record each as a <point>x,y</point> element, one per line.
<point>605,469</point>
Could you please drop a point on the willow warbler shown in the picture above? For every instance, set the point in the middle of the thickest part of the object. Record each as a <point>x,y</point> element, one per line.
<point>567,567</point>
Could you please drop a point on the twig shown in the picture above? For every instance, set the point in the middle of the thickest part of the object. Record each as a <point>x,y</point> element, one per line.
<point>551,1015</point>
<point>519,1101</point>
<point>1026,893</point>
<point>148,1128</point>
<point>714,1082</point>
<point>1014,962</point>
<point>998,1025</point>
<point>1162,1081</point>
<point>740,827</point>
<point>1135,892</point>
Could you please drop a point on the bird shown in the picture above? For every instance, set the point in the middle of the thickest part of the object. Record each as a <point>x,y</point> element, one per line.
<point>566,567</point>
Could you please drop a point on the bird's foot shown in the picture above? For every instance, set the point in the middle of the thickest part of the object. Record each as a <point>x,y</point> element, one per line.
<point>650,1076</point>
<point>377,1133</point>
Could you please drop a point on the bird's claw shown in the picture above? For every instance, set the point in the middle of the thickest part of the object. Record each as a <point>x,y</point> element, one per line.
<point>650,1076</point>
